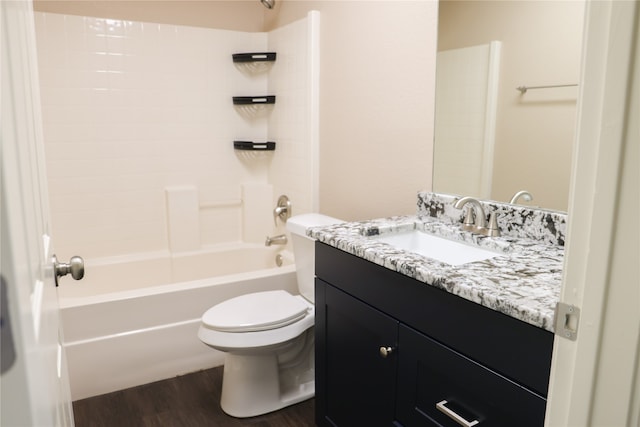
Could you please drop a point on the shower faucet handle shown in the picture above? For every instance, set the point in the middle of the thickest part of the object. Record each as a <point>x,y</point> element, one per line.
<point>282,210</point>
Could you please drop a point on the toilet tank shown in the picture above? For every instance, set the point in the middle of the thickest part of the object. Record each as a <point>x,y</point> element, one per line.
<point>304,250</point>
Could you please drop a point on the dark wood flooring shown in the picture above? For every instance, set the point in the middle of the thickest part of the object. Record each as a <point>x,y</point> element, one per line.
<point>190,400</point>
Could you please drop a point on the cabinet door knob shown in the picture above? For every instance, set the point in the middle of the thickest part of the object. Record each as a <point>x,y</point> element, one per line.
<point>385,351</point>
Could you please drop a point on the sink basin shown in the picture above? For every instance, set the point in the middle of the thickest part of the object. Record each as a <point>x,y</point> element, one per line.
<point>438,248</point>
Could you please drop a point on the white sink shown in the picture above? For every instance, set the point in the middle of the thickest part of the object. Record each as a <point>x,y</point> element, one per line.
<point>430,246</point>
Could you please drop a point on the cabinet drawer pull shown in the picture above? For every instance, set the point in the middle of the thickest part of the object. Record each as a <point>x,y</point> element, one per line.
<point>385,351</point>
<point>455,417</point>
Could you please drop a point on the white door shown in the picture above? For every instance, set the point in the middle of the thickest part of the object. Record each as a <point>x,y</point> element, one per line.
<point>35,386</point>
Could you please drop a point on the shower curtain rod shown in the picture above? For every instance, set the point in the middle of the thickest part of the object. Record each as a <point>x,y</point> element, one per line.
<point>524,89</point>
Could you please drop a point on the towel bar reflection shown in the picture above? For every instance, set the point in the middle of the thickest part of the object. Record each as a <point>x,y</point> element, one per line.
<point>524,89</point>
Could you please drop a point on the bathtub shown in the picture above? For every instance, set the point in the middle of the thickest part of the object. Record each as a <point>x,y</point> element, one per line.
<point>134,319</point>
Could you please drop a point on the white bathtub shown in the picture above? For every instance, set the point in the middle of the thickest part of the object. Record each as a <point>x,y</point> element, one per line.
<point>134,320</point>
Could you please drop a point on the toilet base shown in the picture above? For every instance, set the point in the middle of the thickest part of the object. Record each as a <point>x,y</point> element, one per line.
<point>255,384</point>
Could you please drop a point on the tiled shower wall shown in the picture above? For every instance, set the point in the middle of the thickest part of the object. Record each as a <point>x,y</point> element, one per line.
<point>131,108</point>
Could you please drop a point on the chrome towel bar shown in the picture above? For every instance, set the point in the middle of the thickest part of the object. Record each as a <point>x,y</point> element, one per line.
<point>524,89</point>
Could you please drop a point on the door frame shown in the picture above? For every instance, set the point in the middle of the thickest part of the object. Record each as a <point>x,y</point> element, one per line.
<point>595,380</point>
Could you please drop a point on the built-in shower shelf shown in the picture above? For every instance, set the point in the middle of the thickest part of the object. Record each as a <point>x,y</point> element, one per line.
<point>254,100</point>
<point>254,146</point>
<point>254,57</point>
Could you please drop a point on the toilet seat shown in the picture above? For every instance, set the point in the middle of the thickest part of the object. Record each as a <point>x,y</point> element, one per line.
<point>259,311</point>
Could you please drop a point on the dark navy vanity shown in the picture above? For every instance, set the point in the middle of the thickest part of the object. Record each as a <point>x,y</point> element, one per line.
<point>399,344</point>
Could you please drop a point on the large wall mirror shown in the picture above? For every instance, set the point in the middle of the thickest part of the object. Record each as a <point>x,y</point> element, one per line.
<point>491,139</point>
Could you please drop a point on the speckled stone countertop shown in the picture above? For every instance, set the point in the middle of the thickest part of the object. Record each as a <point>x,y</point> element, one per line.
<point>523,282</point>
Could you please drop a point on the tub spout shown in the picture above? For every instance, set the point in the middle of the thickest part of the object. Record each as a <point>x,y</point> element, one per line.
<point>280,239</point>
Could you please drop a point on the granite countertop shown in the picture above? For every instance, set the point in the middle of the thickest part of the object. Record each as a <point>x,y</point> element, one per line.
<point>524,283</point>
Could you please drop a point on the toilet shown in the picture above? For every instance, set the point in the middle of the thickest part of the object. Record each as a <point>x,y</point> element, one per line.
<point>268,336</point>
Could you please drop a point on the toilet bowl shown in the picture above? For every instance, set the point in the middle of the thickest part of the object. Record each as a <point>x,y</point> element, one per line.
<point>268,336</point>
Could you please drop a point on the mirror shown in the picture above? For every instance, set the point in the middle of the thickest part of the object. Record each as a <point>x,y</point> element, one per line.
<point>492,140</point>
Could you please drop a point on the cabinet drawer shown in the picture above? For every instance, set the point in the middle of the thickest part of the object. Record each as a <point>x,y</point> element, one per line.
<point>430,373</point>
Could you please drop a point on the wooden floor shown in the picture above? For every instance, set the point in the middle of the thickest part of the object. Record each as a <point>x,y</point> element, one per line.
<point>190,400</point>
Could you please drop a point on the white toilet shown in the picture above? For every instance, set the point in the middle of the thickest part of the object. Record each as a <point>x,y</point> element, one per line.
<point>268,336</point>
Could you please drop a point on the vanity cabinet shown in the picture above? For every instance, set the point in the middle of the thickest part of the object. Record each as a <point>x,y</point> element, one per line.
<point>393,351</point>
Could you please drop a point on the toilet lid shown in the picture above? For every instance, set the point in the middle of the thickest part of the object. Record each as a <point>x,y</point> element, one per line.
<point>255,312</point>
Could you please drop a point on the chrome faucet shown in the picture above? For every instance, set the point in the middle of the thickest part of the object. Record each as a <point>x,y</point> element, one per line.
<point>526,196</point>
<point>280,239</point>
<point>480,224</point>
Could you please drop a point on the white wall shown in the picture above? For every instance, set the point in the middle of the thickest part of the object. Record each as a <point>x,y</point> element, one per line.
<point>131,108</point>
<point>377,85</point>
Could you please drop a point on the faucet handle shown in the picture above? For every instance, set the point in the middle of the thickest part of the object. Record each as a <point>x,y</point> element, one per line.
<point>469,224</point>
<point>492,230</point>
<point>282,210</point>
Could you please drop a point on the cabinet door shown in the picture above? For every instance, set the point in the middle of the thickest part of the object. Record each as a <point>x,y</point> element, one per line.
<point>355,384</point>
<point>432,375</point>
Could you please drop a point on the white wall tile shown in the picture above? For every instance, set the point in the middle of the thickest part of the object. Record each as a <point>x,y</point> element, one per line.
<point>130,108</point>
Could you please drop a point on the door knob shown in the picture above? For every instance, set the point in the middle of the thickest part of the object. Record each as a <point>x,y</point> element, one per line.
<point>75,266</point>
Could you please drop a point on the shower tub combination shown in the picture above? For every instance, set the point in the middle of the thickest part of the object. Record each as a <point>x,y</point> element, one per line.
<point>134,319</point>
